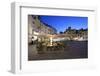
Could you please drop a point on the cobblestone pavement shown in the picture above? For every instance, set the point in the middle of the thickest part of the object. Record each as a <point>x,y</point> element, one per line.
<point>73,50</point>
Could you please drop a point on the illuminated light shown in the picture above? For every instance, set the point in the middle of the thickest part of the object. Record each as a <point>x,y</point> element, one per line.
<point>51,41</point>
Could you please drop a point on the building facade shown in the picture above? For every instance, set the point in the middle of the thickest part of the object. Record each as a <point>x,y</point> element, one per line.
<point>36,28</point>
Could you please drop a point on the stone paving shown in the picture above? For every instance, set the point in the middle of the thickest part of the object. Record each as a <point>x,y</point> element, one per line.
<point>73,50</point>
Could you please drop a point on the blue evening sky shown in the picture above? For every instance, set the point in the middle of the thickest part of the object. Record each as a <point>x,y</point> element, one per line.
<point>63,22</point>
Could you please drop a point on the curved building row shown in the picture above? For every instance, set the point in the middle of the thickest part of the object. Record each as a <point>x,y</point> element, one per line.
<point>36,27</point>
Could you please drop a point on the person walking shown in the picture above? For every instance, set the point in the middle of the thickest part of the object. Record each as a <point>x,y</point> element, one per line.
<point>32,40</point>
